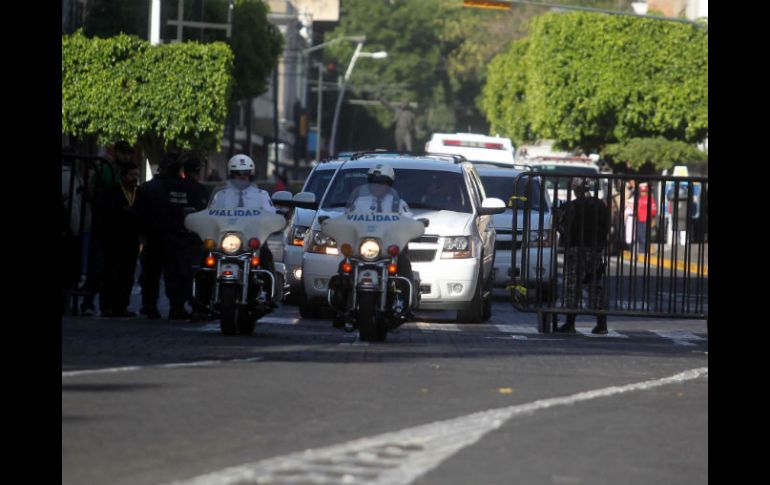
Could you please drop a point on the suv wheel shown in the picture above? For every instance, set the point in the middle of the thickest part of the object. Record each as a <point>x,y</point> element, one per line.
<point>475,313</point>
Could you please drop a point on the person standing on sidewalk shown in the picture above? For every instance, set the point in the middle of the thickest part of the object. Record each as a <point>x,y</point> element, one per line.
<point>642,215</point>
<point>120,242</point>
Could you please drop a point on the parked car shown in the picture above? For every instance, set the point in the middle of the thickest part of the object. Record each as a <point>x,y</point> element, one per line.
<point>294,235</point>
<point>454,257</point>
<point>499,183</point>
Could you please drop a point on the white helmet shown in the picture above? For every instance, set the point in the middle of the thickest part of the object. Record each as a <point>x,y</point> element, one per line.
<point>381,173</point>
<point>240,164</point>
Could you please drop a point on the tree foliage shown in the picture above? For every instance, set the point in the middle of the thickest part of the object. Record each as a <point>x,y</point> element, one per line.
<point>122,88</point>
<point>658,152</point>
<point>256,44</point>
<point>594,79</point>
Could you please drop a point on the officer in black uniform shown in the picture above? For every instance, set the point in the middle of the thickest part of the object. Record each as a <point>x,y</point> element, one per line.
<point>161,205</point>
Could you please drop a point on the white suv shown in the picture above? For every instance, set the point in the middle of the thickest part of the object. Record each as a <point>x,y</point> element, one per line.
<point>454,257</point>
<point>300,222</point>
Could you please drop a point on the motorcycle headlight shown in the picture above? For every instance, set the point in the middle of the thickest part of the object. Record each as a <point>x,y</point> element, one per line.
<point>369,250</point>
<point>231,243</point>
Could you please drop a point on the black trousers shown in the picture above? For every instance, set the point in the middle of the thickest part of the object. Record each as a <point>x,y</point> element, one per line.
<point>119,267</point>
<point>151,260</point>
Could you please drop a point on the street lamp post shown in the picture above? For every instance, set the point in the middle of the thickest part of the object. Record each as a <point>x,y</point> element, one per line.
<point>318,113</point>
<point>356,55</point>
<point>360,39</point>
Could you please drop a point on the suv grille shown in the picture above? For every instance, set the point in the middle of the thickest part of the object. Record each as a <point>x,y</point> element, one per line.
<point>421,255</point>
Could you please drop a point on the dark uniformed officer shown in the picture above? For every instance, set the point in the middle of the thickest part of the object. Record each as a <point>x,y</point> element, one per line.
<point>584,226</point>
<point>162,205</point>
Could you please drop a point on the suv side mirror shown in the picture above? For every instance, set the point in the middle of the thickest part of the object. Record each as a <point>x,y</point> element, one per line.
<point>305,200</point>
<point>490,206</point>
<point>425,222</point>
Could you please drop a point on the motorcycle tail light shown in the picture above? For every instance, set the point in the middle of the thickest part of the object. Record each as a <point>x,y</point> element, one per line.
<point>254,243</point>
<point>346,249</point>
<point>210,261</point>
<point>346,267</point>
<point>393,250</point>
<point>254,261</point>
<point>209,244</point>
<point>392,269</point>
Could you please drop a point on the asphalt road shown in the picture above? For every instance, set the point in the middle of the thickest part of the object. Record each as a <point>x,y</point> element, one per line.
<point>153,402</point>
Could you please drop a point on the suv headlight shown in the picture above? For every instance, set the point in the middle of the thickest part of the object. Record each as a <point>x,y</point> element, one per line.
<point>369,250</point>
<point>323,244</point>
<point>297,235</point>
<point>457,247</point>
<point>231,243</point>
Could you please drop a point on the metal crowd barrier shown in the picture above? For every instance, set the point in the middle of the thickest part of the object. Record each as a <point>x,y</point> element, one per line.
<point>592,257</point>
<point>78,191</point>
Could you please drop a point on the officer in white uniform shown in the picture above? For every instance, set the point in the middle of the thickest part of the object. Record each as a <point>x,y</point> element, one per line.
<point>241,191</point>
<point>378,195</point>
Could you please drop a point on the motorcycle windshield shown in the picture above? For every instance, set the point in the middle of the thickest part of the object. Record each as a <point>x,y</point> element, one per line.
<point>232,194</point>
<point>375,198</point>
<point>239,210</point>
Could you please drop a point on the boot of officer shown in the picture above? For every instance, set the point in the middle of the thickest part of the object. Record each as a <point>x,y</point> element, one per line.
<point>242,191</point>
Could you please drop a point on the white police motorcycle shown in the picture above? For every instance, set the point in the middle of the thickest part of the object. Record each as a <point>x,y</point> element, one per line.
<point>367,291</point>
<point>232,283</point>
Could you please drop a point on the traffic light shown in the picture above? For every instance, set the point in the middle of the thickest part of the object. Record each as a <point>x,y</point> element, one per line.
<point>498,5</point>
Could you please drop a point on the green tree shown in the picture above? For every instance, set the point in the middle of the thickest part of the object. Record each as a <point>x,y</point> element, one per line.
<point>658,153</point>
<point>166,96</point>
<point>256,44</point>
<point>594,79</point>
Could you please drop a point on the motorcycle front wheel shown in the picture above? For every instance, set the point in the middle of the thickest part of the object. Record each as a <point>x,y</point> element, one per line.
<point>229,319</point>
<point>367,322</point>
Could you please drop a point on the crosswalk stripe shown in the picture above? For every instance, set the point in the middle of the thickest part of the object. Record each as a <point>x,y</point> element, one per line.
<point>679,337</point>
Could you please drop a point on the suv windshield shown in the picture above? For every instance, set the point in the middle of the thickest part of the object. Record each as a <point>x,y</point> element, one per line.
<point>318,182</point>
<point>502,188</point>
<point>421,189</point>
<point>565,173</point>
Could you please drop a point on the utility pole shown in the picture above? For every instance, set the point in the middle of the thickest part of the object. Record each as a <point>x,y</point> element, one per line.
<point>318,114</point>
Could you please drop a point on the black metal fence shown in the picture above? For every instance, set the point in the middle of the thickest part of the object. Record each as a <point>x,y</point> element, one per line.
<point>83,177</point>
<point>609,245</point>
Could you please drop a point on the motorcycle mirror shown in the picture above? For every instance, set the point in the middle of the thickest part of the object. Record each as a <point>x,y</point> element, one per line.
<point>281,196</point>
<point>425,222</point>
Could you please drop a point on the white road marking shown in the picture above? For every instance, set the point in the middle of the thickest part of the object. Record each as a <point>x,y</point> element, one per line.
<point>279,321</point>
<point>610,333</point>
<point>679,337</point>
<point>114,370</point>
<point>528,329</point>
<point>446,327</point>
<point>400,457</point>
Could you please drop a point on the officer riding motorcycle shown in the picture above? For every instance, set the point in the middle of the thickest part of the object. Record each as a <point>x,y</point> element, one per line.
<point>237,280</point>
<point>375,289</point>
